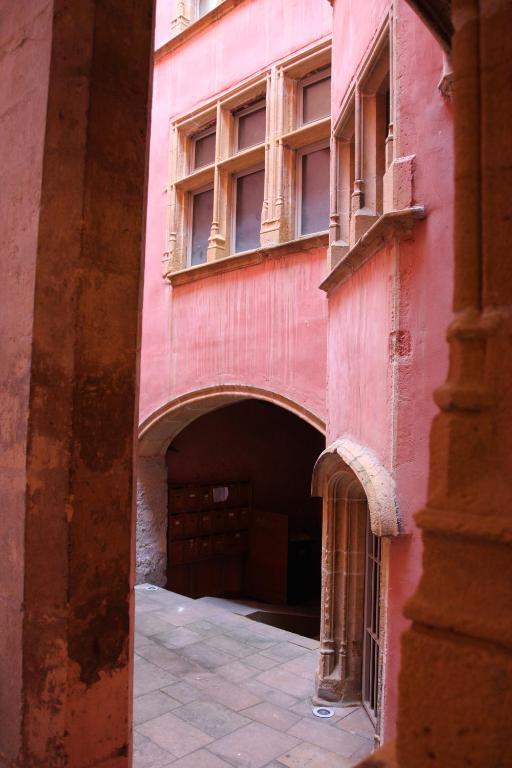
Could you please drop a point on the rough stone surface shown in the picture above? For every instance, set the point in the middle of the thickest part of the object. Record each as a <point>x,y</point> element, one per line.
<point>151,520</point>
<point>73,152</point>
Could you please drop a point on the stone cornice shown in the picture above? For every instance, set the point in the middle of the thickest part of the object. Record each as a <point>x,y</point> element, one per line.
<point>389,226</point>
<point>247,259</point>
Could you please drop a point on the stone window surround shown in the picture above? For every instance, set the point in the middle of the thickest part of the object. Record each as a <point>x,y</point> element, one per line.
<point>357,230</point>
<point>280,86</point>
<point>353,484</point>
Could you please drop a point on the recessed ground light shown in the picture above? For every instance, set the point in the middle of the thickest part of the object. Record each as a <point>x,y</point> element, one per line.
<point>323,711</point>
<point>151,588</point>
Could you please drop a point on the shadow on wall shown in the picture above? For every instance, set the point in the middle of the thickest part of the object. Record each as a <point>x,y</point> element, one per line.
<point>263,541</point>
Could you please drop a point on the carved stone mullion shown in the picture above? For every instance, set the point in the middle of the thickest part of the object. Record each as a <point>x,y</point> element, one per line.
<point>327,650</point>
<point>218,233</point>
<point>334,219</point>
<point>358,191</point>
<point>268,200</point>
<point>170,260</point>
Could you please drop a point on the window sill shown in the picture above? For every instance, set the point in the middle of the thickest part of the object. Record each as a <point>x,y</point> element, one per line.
<point>248,259</point>
<point>308,133</point>
<point>390,226</point>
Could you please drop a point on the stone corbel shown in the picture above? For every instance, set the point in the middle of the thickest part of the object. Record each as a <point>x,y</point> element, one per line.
<point>445,84</point>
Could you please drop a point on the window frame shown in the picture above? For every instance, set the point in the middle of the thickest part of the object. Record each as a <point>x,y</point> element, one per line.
<point>306,150</point>
<point>189,223</point>
<point>232,229</point>
<point>275,90</point>
<point>315,77</point>
<point>208,131</point>
<point>237,114</point>
<point>198,15</point>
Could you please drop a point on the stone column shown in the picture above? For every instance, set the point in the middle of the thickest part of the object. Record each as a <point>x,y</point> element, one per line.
<point>152,511</point>
<point>72,157</point>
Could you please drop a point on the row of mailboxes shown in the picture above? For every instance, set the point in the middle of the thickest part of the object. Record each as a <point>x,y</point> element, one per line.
<point>205,547</point>
<point>213,521</point>
<point>194,498</point>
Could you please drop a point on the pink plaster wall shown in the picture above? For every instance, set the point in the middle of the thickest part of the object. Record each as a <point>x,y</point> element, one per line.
<point>364,311</point>
<point>279,298</point>
<point>355,25</point>
<point>263,326</point>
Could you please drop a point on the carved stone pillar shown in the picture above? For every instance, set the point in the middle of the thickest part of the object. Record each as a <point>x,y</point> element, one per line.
<point>73,148</point>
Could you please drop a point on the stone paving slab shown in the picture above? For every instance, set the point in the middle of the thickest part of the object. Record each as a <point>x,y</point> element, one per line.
<point>217,690</point>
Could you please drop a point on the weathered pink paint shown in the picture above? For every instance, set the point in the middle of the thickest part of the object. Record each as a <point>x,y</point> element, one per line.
<point>384,398</point>
<point>367,359</point>
<point>271,318</point>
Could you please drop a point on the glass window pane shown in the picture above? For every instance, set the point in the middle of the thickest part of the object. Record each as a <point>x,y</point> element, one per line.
<point>249,202</point>
<point>316,100</point>
<point>251,128</point>
<point>315,192</point>
<point>205,6</point>
<point>204,151</point>
<point>202,215</point>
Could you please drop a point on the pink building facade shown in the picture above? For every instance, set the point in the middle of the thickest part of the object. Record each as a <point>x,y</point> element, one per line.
<point>343,327</point>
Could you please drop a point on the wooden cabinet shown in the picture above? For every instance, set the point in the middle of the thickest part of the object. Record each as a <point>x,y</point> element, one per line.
<point>208,538</point>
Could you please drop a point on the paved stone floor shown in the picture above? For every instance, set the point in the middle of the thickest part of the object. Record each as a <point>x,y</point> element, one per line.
<point>217,690</point>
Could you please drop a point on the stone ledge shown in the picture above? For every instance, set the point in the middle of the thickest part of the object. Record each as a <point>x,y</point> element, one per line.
<point>247,259</point>
<point>389,226</point>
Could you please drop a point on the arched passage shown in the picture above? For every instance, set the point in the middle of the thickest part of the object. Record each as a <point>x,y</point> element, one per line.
<point>220,438</point>
<point>359,509</point>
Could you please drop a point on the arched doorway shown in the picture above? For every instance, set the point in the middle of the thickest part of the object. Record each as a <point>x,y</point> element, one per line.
<point>225,508</point>
<point>360,512</point>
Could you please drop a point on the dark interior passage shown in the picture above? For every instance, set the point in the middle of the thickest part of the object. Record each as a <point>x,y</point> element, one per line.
<point>242,522</point>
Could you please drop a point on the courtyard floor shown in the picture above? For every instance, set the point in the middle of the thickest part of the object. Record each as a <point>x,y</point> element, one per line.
<point>216,690</point>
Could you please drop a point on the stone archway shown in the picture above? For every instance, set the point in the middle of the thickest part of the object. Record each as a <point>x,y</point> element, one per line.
<point>155,435</point>
<point>359,502</point>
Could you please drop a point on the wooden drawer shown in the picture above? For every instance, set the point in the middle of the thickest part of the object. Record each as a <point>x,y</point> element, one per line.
<point>205,522</point>
<point>244,517</point>
<point>176,500</point>
<point>219,544</point>
<point>206,497</point>
<point>190,550</point>
<point>193,498</point>
<point>237,542</point>
<point>176,552</point>
<point>191,523</point>
<point>177,526</point>
<point>218,520</point>
<point>233,499</point>
<point>232,519</point>
<point>204,548</point>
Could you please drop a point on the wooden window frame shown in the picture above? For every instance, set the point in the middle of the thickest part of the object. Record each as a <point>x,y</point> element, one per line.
<point>208,131</point>
<point>255,107</point>
<point>372,194</point>
<point>276,154</point>
<point>190,220</point>
<point>233,205</point>
<point>314,77</point>
<point>306,150</point>
<point>197,15</point>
